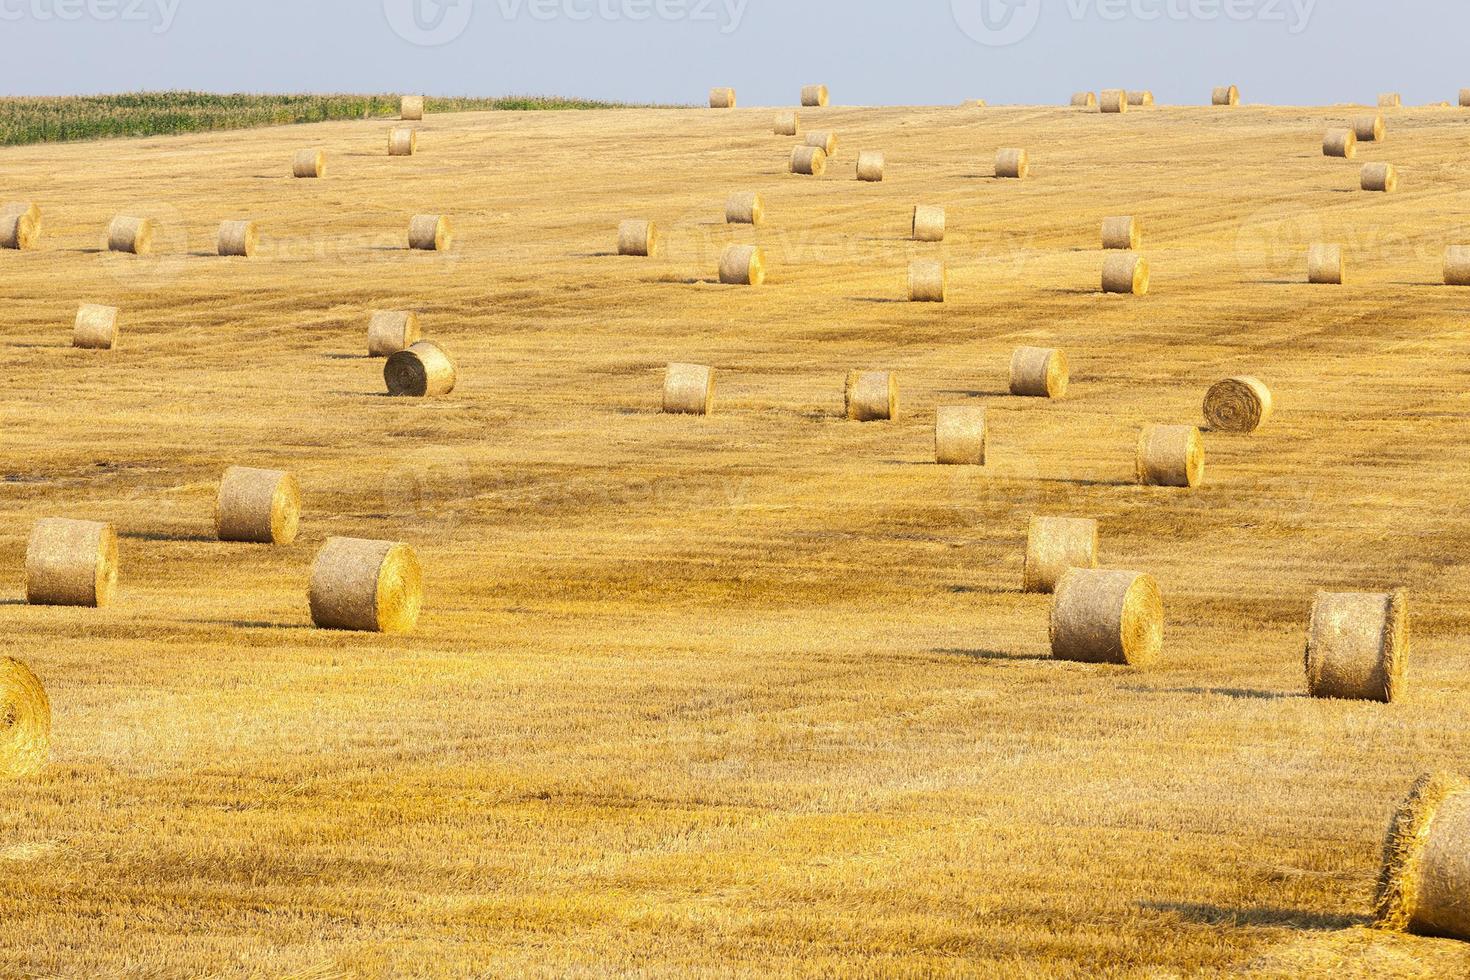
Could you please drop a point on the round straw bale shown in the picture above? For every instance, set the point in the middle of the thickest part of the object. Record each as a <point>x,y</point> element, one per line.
<point>809,160</point>
<point>826,140</point>
<point>689,389</point>
<point>429,233</point>
<point>1380,177</point>
<point>20,225</point>
<point>95,327</point>
<point>1325,265</point>
<point>71,563</point>
<point>25,720</point>
<point>238,238</point>
<point>743,265</point>
<point>788,124</point>
<point>1424,884</point>
<point>403,141</point>
<point>1390,100</point>
<point>1084,100</point>
<point>422,370</point>
<point>257,506</point>
<point>1113,100</point>
<point>1465,98</point>
<point>390,331</point>
<point>745,208</point>
<point>1369,129</point>
<point>1012,163</point>
<point>871,396</point>
<point>1039,372</point>
<point>1457,265</point>
<point>928,224</point>
<point>870,167</point>
<point>411,108</point>
<point>928,282</point>
<point>637,237</point>
<point>1140,98</point>
<point>976,104</point>
<point>309,163</point>
<point>1170,456</point>
<point>1240,404</point>
<point>1340,143</point>
<point>1120,232</point>
<point>1125,273</point>
<point>1107,617</point>
<point>368,586</point>
<point>722,98</point>
<point>133,235</point>
<point>814,96</point>
<point>1054,545</point>
<point>1225,95</point>
<point>1358,647</point>
<point>959,435</point>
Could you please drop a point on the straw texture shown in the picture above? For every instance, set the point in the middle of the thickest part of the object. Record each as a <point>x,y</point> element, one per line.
<point>309,164</point>
<point>1113,100</point>
<point>1053,546</point>
<point>1107,617</point>
<point>1121,233</point>
<point>20,225</point>
<point>1140,98</point>
<point>959,435</point>
<point>390,331</point>
<point>826,140</point>
<point>871,396</point>
<point>71,563</point>
<point>870,167</point>
<point>1380,177</point>
<point>743,265</point>
<point>1125,273</point>
<point>1325,265</point>
<point>1012,163</point>
<point>1465,98</point>
<point>637,237</point>
<point>429,233</point>
<point>1457,265</point>
<point>1368,129</point>
<point>1241,404</point>
<point>788,124</point>
<point>689,389</point>
<point>25,721</point>
<point>238,238</point>
<point>1084,100</point>
<point>814,96</point>
<point>722,98</point>
<point>411,108</point>
<point>1391,100</point>
<point>1424,885</point>
<point>745,208</point>
<point>928,223</point>
<point>809,160</point>
<point>257,506</point>
<point>132,235</point>
<point>403,141</point>
<point>928,282</point>
<point>1226,95</point>
<point>1039,372</point>
<point>1358,647</point>
<point>1170,456</point>
<point>95,327</point>
<point>367,586</point>
<point>424,370</point>
<point>1341,143</point>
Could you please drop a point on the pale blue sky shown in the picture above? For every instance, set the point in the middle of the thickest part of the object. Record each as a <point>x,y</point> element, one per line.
<point>867,51</point>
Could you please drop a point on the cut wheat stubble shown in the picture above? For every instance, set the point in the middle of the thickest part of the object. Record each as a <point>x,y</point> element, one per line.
<point>1053,546</point>
<point>871,396</point>
<point>689,389</point>
<point>928,224</point>
<point>309,164</point>
<point>1326,265</point>
<point>71,563</point>
<point>95,327</point>
<point>1358,646</point>
<point>25,721</point>
<point>390,331</point>
<point>743,265</point>
<point>1241,404</point>
<point>1039,372</point>
<point>1424,883</point>
<point>1107,617</point>
<point>1170,456</point>
<point>637,237</point>
<point>366,586</point>
<point>257,506</point>
<point>960,435</point>
<point>20,226</point>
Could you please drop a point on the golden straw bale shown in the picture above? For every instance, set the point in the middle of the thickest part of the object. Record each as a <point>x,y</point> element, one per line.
<point>1380,177</point>
<point>309,164</point>
<point>20,225</point>
<point>1465,98</point>
<point>1170,456</point>
<point>368,586</point>
<point>1121,232</point>
<point>722,98</point>
<point>1084,100</point>
<point>421,371</point>
<point>1140,98</point>
<point>871,396</point>
<point>1391,100</point>
<point>976,104</point>
<point>134,235</point>
<point>390,331</point>
<point>745,208</point>
<point>238,238</point>
<point>1424,884</point>
<point>1241,404</point>
<point>1039,372</point>
<point>870,167</point>
<point>1358,647</point>
<point>1225,95</point>
<point>637,237</point>
<point>1369,129</point>
<point>1326,265</point>
<point>743,265</point>
<point>95,327</point>
<point>1113,100</point>
<point>1457,265</point>
<point>788,123</point>
<point>959,435</point>
<point>429,233</point>
<point>257,506</point>
<point>403,141</point>
<point>25,721</point>
<point>1012,163</point>
<point>689,389</point>
<point>928,282</point>
<point>928,224</point>
<point>814,96</point>
<point>411,108</point>
<point>1107,617</point>
<point>809,160</point>
<point>1340,143</point>
<point>1125,273</point>
<point>71,563</point>
<point>1054,545</point>
<point>826,140</point>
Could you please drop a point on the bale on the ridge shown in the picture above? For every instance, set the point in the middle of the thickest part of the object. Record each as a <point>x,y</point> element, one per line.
<point>814,96</point>
<point>238,238</point>
<point>1107,617</point>
<point>1012,163</point>
<point>1358,646</point>
<point>1369,129</point>
<point>133,235</point>
<point>870,167</point>
<point>423,370</point>
<point>745,208</point>
<point>390,331</point>
<point>71,563</point>
<point>429,233</point>
<point>1241,404</point>
<point>809,160</point>
<point>1170,456</point>
<point>20,225</point>
<point>257,506</point>
<point>637,236</point>
<point>689,389</point>
<point>1457,265</point>
<point>959,435</point>
<point>403,141</point>
<point>411,108</point>
<point>722,98</point>
<point>1113,100</point>
<point>367,586</point>
<point>928,224</point>
<point>743,265</point>
<point>1124,272</point>
<point>1054,545</point>
<point>1121,232</point>
<point>826,140</point>
<point>1465,98</point>
<point>871,396</point>
<point>1380,177</point>
<point>1225,95</point>
<point>309,164</point>
<point>1140,98</point>
<point>1340,143</point>
<point>1326,265</point>
<point>1084,100</point>
<point>928,282</point>
<point>25,721</point>
<point>1391,100</point>
<point>1039,372</point>
<point>95,327</point>
<point>1424,883</point>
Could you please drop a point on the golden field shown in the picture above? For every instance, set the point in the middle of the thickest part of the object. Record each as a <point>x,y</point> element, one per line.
<point>759,692</point>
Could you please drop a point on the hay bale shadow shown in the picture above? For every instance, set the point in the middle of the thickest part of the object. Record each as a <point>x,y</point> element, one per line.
<point>1267,917</point>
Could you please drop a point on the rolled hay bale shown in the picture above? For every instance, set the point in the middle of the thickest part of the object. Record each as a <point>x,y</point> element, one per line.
<point>257,506</point>
<point>870,167</point>
<point>423,370</point>
<point>976,104</point>
<point>403,141</point>
<point>1107,617</point>
<point>390,331</point>
<point>367,586</point>
<point>1457,265</point>
<point>1358,646</point>
<point>71,563</point>
<point>637,237</point>
<point>95,327</point>
<point>25,721</point>
<point>1170,456</point>
<point>132,235</point>
<point>1084,100</point>
<point>1225,95</point>
<point>788,124</point>
<point>20,225</point>
<point>1340,143</point>
<point>1465,98</point>
<point>871,396</point>
<point>1054,545</point>
<point>238,238</point>
<point>1381,177</point>
<point>1325,265</point>
<point>1140,98</point>
<point>959,435</point>
<point>745,208</point>
<point>1121,233</point>
<point>928,282</point>
<point>1241,404</point>
<point>1012,163</point>
<point>1113,100</point>
<point>722,98</point>
<point>928,224</point>
<point>1391,100</point>
<point>1125,273</point>
<point>411,108</point>
<point>743,265</point>
<point>814,96</point>
<point>429,233</point>
<point>809,160</point>
<point>1039,372</point>
<point>689,389</point>
<point>1424,884</point>
<point>826,140</point>
<point>309,164</point>
<point>1369,129</point>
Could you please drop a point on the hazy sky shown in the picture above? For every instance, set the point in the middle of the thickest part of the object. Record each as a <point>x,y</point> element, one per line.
<point>867,51</point>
